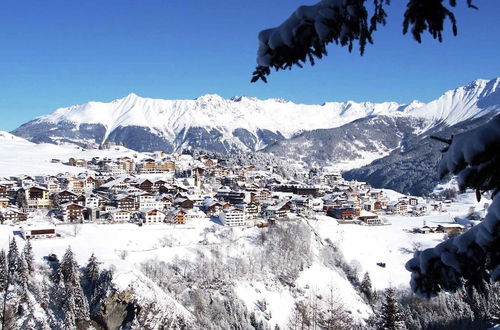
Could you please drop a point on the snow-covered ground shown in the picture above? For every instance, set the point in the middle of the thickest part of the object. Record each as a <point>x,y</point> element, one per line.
<point>19,156</point>
<point>125,246</point>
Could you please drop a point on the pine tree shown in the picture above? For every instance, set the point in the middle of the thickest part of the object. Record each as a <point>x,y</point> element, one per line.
<point>13,256</point>
<point>67,270</point>
<point>68,274</point>
<point>21,278</point>
<point>69,307</point>
<point>366,287</point>
<point>391,316</point>
<point>92,270</point>
<point>28,256</point>
<point>4,275</point>
<point>22,271</point>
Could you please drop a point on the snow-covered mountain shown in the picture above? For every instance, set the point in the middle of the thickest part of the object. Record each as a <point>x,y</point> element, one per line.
<point>240,123</point>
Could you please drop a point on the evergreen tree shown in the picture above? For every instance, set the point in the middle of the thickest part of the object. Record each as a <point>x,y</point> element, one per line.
<point>69,307</point>
<point>22,271</point>
<point>68,274</point>
<point>92,270</point>
<point>366,287</point>
<point>13,256</point>
<point>391,318</point>
<point>4,275</point>
<point>28,256</point>
<point>68,268</point>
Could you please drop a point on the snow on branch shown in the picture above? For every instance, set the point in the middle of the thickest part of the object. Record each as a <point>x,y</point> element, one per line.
<point>474,256</point>
<point>474,156</point>
<point>305,34</point>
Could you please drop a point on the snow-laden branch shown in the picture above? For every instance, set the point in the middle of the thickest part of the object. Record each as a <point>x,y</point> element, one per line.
<point>473,256</point>
<point>305,34</point>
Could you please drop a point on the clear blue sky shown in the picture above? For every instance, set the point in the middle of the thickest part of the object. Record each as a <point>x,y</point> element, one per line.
<point>57,53</point>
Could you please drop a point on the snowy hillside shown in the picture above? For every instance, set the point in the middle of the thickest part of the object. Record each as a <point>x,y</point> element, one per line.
<point>20,156</point>
<point>477,99</point>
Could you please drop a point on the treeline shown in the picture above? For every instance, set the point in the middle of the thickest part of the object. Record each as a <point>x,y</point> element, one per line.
<point>55,295</point>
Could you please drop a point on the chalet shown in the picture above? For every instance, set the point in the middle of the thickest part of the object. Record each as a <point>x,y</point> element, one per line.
<point>12,214</point>
<point>126,203</point>
<point>211,207</point>
<point>252,210</point>
<point>66,197</point>
<point>178,216</point>
<point>281,210</point>
<point>74,185</point>
<point>370,218</point>
<point>262,196</point>
<point>183,202</point>
<point>446,228</point>
<point>34,198</point>
<point>399,207</point>
<point>72,212</point>
<point>232,217</point>
<point>92,201</point>
<point>343,213</point>
<point>89,184</point>
<point>153,216</point>
<point>159,183</point>
<point>146,185</point>
<point>34,232</point>
<point>147,201</point>
<point>53,185</point>
<point>120,216</point>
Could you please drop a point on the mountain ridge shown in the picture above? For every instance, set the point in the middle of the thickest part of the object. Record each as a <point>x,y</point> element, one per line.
<point>240,123</point>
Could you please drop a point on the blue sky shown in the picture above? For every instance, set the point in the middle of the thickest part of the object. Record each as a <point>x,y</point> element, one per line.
<point>57,53</point>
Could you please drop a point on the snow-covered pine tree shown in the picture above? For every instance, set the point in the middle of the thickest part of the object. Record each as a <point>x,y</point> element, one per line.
<point>68,274</point>
<point>69,307</point>
<point>366,287</point>
<point>28,256</point>
<point>12,256</point>
<point>4,275</point>
<point>92,270</point>
<point>22,273</point>
<point>391,317</point>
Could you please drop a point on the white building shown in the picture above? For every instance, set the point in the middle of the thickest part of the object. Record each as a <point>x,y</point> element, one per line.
<point>47,231</point>
<point>149,202</point>
<point>120,216</point>
<point>153,216</point>
<point>232,217</point>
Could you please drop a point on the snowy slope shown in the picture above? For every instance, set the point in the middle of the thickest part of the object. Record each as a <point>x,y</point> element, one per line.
<point>476,99</point>
<point>20,156</point>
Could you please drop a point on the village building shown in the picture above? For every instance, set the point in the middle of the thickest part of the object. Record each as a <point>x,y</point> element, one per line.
<point>342,213</point>
<point>153,216</point>
<point>72,212</point>
<point>232,217</point>
<point>280,210</point>
<point>36,232</point>
<point>12,214</point>
<point>120,216</point>
<point>370,218</point>
<point>34,198</point>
